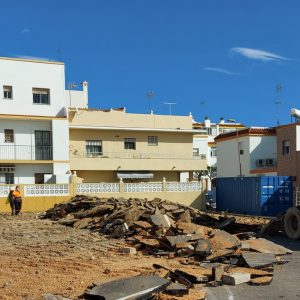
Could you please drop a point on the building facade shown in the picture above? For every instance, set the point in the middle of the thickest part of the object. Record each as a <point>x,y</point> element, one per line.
<point>248,152</point>
<point>288,151</point>
<point>34,133</point>
<point>113,145</point>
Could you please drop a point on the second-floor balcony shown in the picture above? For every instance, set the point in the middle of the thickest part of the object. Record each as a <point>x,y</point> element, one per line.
<point>136,155</point>
<point>132,160</point>
<point>25,152</point>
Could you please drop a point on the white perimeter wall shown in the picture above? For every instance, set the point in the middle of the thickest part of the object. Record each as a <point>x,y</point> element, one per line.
<point>23,76</point>
<point>76,99</point>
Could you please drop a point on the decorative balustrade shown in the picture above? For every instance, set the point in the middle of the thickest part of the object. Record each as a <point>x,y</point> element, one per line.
<point>143,187</point>
<point>46,190</point>
<point>183,186</point>
<point>94,188</point>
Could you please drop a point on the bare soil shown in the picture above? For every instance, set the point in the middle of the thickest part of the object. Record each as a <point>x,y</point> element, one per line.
<point>41,256</point>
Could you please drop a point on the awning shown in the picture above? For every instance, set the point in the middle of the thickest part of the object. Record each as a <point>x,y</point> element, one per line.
<point>134,175</point>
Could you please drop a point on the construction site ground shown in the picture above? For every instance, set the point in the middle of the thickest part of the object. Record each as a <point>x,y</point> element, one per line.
<point>40,256</point>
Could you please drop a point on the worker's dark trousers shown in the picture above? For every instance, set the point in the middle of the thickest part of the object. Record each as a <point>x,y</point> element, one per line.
<point>18,205</point>
<point>12,206</point>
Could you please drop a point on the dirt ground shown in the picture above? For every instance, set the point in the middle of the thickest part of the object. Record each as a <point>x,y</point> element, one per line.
<point>41,256</point>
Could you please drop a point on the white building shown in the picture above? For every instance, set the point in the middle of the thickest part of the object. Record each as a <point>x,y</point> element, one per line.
<point>248,152</point>
<point>34,133</point>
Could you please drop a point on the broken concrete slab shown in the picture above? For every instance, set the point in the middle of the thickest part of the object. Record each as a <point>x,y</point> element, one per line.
<point>224,240</point>
<point>129,288</point>
<point>235,278</point>
<point>174,240</point>
<point>218,272</point>
<point>185,217</point>
<point>82,223</point>
<point>129,250</point>
<point>143,224</point>
<point>203,247</point>
<point>161,220</point>
<point>258,260</point>
<point>177,289</point>
<point>147,240</point>
<point>253,272</point>
<point>190,228</point>
<point>192,275</point>
<point>265,280</point>
<point>265,246</point>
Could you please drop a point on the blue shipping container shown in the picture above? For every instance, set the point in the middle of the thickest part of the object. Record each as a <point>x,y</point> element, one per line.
<point>259,196</point>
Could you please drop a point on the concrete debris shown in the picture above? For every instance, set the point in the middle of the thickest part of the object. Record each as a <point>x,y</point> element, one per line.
<point>139,287</point>
<point>235,278</point>
<point>259,260</point>
<point>264,246</point>
<point>129,250</point>
<point>265,280</point>
<point>210,250</point>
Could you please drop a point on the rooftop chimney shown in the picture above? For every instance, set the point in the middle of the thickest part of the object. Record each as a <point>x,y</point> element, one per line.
<point>85,92</point>
<point>206,122</point>
<point>222,121</point>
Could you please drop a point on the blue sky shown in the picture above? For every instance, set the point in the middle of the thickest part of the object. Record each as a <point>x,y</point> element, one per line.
<point>212,58</point>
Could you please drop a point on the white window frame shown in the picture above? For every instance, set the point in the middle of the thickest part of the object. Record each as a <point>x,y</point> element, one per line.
<point>90,144</point>
<point>40,92</point>
<point>8,132</point>
<point>152,140</point>
<point>7,92</point>
<point>128,142</point>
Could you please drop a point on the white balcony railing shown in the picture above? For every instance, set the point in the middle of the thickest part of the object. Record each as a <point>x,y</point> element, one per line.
<point>25,152</point>
<point>136,155</point>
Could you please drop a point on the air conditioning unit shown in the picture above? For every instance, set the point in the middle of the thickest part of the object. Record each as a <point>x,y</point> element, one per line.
<point>271,162</point>
<point>260,162</point>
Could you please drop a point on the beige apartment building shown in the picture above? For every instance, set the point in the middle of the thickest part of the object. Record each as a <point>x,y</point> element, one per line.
<point>113,145</point>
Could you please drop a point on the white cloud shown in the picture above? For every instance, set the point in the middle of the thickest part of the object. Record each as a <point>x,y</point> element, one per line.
<point>219,70</point>
<point>25,30</point>
<point>32,57</point>
<point>258,54</point>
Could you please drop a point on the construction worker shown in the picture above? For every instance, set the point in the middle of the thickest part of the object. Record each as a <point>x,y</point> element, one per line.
<point>10,200</point>
<point>17,200</point>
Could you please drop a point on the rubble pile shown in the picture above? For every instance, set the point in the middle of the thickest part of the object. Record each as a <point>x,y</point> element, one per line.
<point>211,251</point>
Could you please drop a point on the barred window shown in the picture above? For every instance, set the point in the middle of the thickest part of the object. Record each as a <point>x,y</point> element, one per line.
<point>8,136</point>
<point>41,96</point>
<point>6,178</point>
<point>286,147</point>
<point>129,143</point>
<point>7,92</point>
<point>93,147</point>
<point>152,140</point>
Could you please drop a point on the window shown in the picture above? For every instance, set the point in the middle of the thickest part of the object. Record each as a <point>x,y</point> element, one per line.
<point>152,140</point>
<point>41,96</point>
<point>129,143</point>
<point>93,147</point>
<point>286,147</point>
<point>213,152</point>
<point>6,178</point>
<point>241,148</point>
<point>195,151</point>
<point>7,92</point>
<point>209,130</point>
<point>8,136</point>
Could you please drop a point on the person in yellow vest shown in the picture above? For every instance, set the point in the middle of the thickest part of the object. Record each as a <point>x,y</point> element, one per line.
<point>17,200</point>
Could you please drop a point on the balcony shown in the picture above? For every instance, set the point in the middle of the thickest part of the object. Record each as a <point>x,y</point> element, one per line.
<point>132,160</point>
<point>25,152</point>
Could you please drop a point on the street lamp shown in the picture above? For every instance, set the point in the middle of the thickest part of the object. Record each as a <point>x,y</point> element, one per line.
<point>238,144</point>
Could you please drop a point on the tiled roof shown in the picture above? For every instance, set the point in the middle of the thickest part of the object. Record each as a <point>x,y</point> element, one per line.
<point>247,132</point>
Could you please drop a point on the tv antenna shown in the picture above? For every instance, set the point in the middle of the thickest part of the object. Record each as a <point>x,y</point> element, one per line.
<point>170,106</point>
<point>150,95</point>
<point>58,53</point>
<point>277,102</point>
